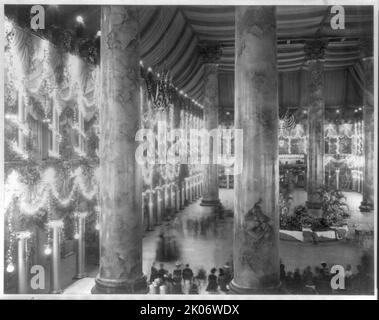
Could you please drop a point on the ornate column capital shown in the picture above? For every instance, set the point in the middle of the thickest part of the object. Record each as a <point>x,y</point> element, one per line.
<point>210,53</point>
<point>315,49</point>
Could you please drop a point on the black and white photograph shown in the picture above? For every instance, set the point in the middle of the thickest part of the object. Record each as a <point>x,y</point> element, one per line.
<point>189,150</point>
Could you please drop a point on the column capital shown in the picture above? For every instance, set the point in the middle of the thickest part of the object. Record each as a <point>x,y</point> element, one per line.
<point>315,49</point>
<point>210,53</point>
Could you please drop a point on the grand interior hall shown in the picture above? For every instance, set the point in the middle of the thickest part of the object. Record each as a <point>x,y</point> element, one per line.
<point>189,149</point>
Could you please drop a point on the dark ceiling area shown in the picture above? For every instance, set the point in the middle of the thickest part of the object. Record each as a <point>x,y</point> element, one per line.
<point>170,36</point>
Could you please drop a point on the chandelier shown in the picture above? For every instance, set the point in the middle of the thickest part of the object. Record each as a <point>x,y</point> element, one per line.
<point>159,89</point>
<point>287,122</point>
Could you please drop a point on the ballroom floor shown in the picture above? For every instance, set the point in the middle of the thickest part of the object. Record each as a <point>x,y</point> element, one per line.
<point>212,245</point>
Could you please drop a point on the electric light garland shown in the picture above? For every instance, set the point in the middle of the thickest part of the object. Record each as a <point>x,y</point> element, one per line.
<point>11,234</point>
<point>46,193</point>
<point>296,132</point>
<point>47,190</point>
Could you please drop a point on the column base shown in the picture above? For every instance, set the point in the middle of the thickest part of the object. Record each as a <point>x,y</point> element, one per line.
<point>80,276</point>
<point>366,206</point>
<point>138,286</point>
<point>210,203</point>
<point>60,291</point>
<point>236,289</point>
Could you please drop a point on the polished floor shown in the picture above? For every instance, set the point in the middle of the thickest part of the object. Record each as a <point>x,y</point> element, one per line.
<point>207,241</point>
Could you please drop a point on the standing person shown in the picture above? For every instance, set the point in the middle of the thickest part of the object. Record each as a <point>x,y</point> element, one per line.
<point>159,255</point>
<point>324,269</point>
<point>222,280</point>
<point>289,282</point>
<point>162,271</point>
<point>177,274</point>
<point>212,282</point>
<point>196,228</point>
<point>308,281</point>
<point>153,273</point>
<point>297,281</point>
<point>282,272</point>
<point>348,277</point>
<point>201,277</point>
<point>187,277</point>
<point>177,279</point>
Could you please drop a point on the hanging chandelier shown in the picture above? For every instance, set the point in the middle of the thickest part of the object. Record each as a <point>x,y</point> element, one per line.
<point>287,122</point>
<point>159,88</point>
<point>162,95</point>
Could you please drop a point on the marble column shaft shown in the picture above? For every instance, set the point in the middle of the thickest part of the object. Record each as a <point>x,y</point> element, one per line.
<point>316,142</point>
<point>211,105</point>
<point>369,135</point>
<point>120,188</point>
<point>256,216</point>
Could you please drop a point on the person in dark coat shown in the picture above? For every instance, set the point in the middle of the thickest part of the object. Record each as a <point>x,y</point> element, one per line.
<point>177,279</point>
<point>153,273</point>
<point>212,282</point>
<point>297,281</point>
<point>187,277</point>
<point>160,252</point>
<point>162,271</point>
<point>177,274</point>
<point>282,272</point>
<point>187,273</point>
<point>222,280</point>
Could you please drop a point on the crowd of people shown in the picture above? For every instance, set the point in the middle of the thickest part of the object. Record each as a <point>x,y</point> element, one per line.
<point>185,281</point>
<point>319,280</point>
<point>197,226</point>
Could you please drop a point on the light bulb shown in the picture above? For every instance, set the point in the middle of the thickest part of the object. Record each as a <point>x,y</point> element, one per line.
<point>47,251</point>
<point>98,34</point>
<point>10,268</point>
<point>97,227</point>
<point>76,236</point>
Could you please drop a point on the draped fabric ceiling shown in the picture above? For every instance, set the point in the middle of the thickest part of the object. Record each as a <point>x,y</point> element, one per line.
<point>170,36</point>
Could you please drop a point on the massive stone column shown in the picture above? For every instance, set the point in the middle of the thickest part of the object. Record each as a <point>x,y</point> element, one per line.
<point>210,56</point>
<point>120,176</point>
<point>256,216</point>
<point>369,130</point>
<point>314,51</point>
